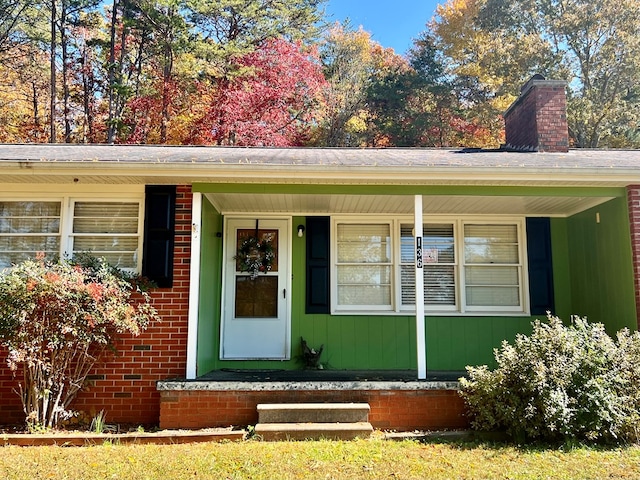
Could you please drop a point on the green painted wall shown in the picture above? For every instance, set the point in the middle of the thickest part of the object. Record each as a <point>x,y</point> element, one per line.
<point>210,292</point>
<point>561,268</point>
<point>350,341</point>
<point>592,276</point>
<point>601,265</point>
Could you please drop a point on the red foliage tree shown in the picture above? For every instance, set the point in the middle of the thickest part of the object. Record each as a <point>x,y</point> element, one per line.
<point>274,103</point>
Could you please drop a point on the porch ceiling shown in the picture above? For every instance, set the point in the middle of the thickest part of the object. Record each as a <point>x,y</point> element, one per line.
<point>322,204</point>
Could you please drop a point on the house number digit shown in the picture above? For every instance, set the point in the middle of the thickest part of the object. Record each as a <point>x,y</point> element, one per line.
<point>419,252</point>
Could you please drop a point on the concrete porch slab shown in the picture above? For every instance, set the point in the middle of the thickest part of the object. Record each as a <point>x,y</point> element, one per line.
<point>309,380</point>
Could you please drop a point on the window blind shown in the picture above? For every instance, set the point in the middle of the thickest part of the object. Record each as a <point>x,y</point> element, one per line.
<point>108,230</point>
<point>364,270</point>
<point>27,229</point>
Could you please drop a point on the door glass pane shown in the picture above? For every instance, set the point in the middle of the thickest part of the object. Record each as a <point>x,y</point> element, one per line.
<point>256,298</point>
<point>266,237</point>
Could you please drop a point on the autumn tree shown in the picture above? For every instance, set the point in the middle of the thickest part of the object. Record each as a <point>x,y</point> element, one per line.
<point>232,28</point>
<point>72,18</point>
<point>349,63</point>
<point>406,99</point>
<point>12,12</point>
<point>24,96</point>
<point>274,103</point>
<point>498,44</point>
<point>141,70</point>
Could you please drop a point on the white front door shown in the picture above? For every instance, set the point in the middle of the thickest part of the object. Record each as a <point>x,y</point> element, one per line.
<point>255,316</point>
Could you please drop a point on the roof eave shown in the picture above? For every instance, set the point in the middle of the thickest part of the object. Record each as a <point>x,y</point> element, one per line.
<point>153,172</point>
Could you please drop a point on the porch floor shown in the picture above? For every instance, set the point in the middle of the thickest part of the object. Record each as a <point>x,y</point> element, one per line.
<point>277,375</point>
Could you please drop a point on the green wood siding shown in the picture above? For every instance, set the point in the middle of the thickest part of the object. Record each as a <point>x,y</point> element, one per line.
<point>561,268</point>
<point>601,266</point>
<point>593,276</point>
<point>210,291</point>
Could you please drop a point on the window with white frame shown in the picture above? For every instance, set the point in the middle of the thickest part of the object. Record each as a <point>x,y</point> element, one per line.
<point>469,266</point>
<point>109,230</point>
<point>364,266</point>
<point>28,227</point>
<point>492,267</point>
<point>439,265</point>
<point>66,226</point>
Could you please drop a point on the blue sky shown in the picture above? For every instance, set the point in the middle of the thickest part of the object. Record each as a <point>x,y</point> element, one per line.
<point>392,23</point>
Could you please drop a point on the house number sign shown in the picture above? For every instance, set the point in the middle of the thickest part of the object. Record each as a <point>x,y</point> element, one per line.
<point>418,252</point>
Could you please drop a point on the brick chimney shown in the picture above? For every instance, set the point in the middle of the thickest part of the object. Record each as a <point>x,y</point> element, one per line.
<point>537,120</point>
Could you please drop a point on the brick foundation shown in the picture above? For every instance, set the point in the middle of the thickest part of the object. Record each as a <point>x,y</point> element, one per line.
<point>390,409</point>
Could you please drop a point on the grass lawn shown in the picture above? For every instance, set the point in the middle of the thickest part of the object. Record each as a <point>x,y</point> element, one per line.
<point>374,458</point>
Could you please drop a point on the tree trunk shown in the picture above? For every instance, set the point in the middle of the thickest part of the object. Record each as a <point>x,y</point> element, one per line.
<point>65,72</point>
<point>52,79</point>
<point>111,76</point>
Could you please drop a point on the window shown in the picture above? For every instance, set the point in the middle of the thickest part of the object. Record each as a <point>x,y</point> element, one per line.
<point>364,266</point>
<point>63,227</point>
<point>109,230</point>
<point>469,266</point>
<point>27,228</point>
<point>492,266</point>
<point>439,265</point>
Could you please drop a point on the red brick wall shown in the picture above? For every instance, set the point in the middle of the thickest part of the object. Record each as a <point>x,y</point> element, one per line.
<point>520,123</point>
<point>125,385</point>
<point>633,199</point>
<point>390,409</point>
<point>538,119</point>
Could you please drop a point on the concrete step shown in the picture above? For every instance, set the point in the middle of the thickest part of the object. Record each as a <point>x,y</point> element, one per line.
<point>313,431</point>
<point>313,412</point>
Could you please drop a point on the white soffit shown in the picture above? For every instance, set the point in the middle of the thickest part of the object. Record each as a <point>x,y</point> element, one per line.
<point>560,206</point>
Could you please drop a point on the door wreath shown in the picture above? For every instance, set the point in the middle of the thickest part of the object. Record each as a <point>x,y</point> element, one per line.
<point>255,255</point>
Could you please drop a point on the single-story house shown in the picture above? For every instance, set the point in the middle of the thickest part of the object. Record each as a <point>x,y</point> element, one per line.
<point>392,259</point>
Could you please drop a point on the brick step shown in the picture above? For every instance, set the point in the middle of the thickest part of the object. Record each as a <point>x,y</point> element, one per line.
<point>313,412</point>
<point>313,431</point>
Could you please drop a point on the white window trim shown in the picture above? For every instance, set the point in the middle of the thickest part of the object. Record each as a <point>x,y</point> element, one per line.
<point>345,309</point>
<point>523,269</point>
<point>438,309</point>
<point>66,213</point>
<point>69,236</point>
<point>460,308</point>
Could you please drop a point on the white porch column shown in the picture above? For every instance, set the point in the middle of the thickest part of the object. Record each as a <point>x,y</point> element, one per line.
<point>194,285</point>
<point>420,328</point>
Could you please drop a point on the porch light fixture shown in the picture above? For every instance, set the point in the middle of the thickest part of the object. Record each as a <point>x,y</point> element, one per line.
<point>300,230</point>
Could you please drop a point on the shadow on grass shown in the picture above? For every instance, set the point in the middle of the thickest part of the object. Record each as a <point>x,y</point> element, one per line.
<point>471,440</point>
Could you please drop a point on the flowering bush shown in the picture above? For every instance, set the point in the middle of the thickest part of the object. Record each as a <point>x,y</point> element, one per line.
<point>57,319</point>
<point>561,382</point>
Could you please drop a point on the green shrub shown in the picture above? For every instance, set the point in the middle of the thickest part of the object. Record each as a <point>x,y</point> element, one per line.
<point>57,320</point>
<point>559,383</point>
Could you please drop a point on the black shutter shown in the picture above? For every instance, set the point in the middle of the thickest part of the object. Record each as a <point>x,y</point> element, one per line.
<point>159,233</point>
<point>317,233</point>
<point>540,265</point>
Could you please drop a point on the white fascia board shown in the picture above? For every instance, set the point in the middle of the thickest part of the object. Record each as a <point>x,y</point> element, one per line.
<point>329,174</point>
